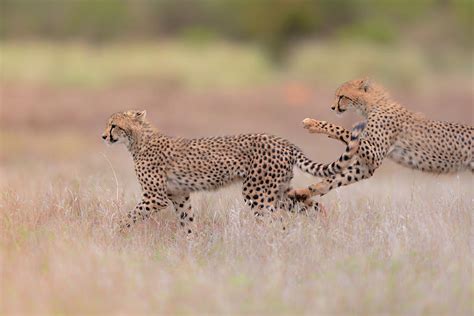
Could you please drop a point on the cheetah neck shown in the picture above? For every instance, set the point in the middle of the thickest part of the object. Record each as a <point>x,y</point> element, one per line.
<point>140,139</point>
<point>377,103</point>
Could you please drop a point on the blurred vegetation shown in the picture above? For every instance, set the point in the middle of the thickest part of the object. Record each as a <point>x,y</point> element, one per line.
<point>223,64</point>
<point>273,24</point>
<point>170,63</point>
<point>190,42</point>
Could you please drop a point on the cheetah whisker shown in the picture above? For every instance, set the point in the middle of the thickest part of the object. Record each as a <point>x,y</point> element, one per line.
<point>115,178</point>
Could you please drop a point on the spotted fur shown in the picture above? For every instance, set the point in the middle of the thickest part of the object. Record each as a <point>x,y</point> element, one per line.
<point>392,131</point>
<point>170,168</point>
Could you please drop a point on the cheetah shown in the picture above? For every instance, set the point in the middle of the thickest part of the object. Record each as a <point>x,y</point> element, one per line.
<point>170,168</point>
<point>392,131</point>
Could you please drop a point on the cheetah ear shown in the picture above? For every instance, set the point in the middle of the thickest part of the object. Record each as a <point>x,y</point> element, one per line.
<point>364,84</point>
<point>140,115</point>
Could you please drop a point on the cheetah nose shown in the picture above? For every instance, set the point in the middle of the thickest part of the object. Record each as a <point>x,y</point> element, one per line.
<point>104,137</point>
<point>333,107</point>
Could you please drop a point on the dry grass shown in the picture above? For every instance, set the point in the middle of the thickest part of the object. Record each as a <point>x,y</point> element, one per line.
<point>389,245</point>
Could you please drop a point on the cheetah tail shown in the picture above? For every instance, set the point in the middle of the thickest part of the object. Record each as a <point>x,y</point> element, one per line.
<point>325,170</point>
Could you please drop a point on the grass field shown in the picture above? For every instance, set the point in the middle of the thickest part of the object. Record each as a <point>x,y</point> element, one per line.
<point>399,243</point>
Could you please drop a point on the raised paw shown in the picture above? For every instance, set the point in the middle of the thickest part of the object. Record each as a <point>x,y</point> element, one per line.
<point>314,126</point>
<point>300,195</point>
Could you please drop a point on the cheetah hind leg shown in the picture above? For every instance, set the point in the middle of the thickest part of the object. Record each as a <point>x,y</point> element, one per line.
<point>184,211</point>
<point>304,204</point>
<point>311,206</point>
<point>266,209</point>
<point>353,174</point>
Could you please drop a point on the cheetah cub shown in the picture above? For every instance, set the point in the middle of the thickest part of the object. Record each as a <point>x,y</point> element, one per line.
<point>170,168</point>
<point>392,131</point>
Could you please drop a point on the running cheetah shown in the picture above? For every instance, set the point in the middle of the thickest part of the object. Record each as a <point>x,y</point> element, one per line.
<point>170,168</point>
<point>404,136</point>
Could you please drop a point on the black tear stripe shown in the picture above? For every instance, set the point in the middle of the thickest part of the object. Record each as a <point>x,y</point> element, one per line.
<point>343,97</point>
<point>110,132</point>
<point>115,126</point>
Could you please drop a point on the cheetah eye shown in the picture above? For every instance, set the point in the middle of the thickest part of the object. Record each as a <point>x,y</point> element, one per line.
<point>343,97</point>
<point>113,126</point>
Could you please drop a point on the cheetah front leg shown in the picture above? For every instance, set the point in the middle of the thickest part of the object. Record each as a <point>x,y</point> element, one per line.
<point>331,130</point>
<point>151,202</point>
<point>182,206</point>
<point>154,199</point>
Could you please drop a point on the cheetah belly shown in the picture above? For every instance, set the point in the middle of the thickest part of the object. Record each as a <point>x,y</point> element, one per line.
<point>204,177</point>
<point>404,155</point>
<point>176,184</point>
<point>423,149</point>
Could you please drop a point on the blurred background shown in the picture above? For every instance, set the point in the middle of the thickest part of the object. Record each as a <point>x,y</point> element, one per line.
<point>212,67</point>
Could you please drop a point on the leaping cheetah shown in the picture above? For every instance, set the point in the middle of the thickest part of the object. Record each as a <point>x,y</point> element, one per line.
<point>392,131</point>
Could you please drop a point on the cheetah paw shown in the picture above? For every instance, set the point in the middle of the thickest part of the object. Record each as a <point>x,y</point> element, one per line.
<point>122,228</point>
<point>300,195</point>
<point>314,126</point>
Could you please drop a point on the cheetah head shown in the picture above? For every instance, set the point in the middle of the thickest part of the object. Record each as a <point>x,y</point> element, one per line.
<point>354,94</point>
<point>120,126</point>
